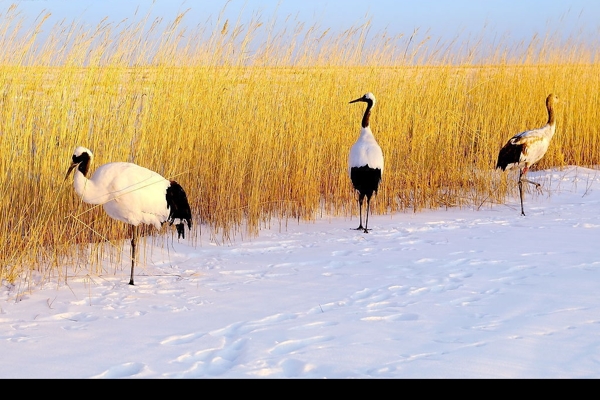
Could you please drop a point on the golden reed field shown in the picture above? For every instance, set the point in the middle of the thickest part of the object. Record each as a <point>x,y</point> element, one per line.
<point>255,124</point>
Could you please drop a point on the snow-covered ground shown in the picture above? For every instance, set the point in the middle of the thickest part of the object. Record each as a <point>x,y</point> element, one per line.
<point>440,294</point>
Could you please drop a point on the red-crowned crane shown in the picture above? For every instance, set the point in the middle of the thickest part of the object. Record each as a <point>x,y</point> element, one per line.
<point>131,194</point>
<point>526,148</point>
<point>365,162</point>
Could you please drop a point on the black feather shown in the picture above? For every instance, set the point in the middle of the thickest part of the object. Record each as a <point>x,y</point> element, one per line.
<point>365,179</point>
<point>179,208</point>
<point>509,154</point>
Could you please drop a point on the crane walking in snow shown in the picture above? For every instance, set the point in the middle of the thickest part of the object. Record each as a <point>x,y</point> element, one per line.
<point>526,148</point>
<point>131,194</point>
<point>365,162</point>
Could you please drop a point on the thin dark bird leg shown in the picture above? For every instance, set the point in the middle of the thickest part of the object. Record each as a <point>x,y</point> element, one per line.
<point>360,203</point>
<point>367,219</point>
<point>537,185</point>
<point>522,178</point>
<point>134,237</point>
<point>521,193</point>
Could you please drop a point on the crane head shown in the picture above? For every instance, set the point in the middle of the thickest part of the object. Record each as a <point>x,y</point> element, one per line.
<point>367,98</point>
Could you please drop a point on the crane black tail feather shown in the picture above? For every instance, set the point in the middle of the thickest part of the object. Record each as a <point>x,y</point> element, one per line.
<point>179,208</point>
<point>180,231</point>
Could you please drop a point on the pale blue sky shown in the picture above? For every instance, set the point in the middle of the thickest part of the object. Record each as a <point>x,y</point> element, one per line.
<point>516,20</point>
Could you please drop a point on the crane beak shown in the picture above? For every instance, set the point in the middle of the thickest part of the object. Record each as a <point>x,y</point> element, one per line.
<point>73,165</point>
<point>359,99</point>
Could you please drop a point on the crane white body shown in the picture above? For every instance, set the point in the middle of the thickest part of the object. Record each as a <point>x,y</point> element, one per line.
<point>531,146</point>
<point>365,151</point>
<point>131,194</point>
<point>127,192</point>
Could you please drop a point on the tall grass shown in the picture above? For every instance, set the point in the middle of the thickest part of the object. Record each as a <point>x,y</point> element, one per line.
<point>254,122</point>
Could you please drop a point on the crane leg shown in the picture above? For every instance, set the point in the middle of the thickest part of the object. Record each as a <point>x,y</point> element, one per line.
<point>537,185</point>
<point>367,219</point>
<point>361,197</point>
<point>521,193</point>
<point>134,235</point>
<point>522,179</point>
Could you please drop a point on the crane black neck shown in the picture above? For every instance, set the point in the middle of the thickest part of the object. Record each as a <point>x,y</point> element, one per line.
<point>365,120</point>
<point>83,163</point>
<point>551,119</point>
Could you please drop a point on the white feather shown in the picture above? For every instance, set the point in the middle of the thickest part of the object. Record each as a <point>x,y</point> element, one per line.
<point>128,193</point>
<point>536,141</point>
<point>365,151</point>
